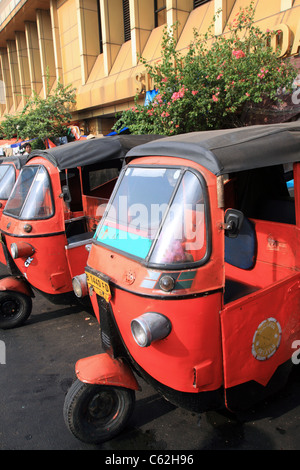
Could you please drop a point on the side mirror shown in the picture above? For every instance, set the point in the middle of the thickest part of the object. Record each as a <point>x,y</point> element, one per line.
<point>66,194</point>
<point>233,222</point>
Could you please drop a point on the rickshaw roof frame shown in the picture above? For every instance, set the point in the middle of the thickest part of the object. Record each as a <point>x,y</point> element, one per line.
<point>91,151</point>
<point>230,150</point>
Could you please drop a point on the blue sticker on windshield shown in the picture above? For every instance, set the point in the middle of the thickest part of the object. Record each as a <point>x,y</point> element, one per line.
<point>131,243</point>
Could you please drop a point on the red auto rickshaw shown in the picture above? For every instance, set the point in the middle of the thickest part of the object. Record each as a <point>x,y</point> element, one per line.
<point>9,171</point>
<point>194,277</point>
<point>50,219</point>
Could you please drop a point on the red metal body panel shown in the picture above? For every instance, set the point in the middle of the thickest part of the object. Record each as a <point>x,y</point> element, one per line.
<point>103,370</point>
<point>47,269</point>
<point>76,259</point>
<point>212,344</point>
<point>240,321</point>
<point>188,360</point>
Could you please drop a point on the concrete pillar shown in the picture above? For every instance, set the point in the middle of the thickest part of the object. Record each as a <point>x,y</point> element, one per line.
<point>56,39</point>
<point>14,73</point>
<point>178,10</point>
<point>225,6</point>
<point>23,66</point>
<point>111,12</point>
<point>142,23</point>
<point>88,31</point>
<point>45,40</point>
<point>34,59</point>
<point>6,78</point>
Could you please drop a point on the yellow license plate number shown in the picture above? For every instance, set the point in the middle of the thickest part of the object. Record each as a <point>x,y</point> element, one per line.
<point>100,286</point>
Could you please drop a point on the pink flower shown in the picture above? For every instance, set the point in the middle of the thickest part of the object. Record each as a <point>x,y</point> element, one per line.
<point>263,73</point>
<point>219,76</point>
<point>247,94</point>
<point>165,80</point>
<point>215,99</point>
<point>178,94</point>
<point>238,54</point>
<point>194,92</point>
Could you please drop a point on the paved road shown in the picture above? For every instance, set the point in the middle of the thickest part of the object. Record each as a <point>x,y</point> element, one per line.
<point>39,369</point>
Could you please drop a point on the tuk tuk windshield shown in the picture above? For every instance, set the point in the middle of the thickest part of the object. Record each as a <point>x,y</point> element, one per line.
<point>31,197</point>
<point>7,180</point>
<point>157,214</point>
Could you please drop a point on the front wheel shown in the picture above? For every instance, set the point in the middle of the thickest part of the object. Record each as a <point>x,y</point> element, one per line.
<point>97,413</point>
<point>15,308</point>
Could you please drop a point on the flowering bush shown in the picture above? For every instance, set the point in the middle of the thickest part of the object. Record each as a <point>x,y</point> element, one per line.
<point>209,86</point>
<point>41,117</point>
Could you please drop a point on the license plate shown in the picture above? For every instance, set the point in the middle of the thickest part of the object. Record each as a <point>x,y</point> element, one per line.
<point>100,286</point>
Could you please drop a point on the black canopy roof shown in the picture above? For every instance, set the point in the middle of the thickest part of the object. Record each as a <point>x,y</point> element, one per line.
<point>91,151</point>
<point>18,160</point>
<point>231,150</point>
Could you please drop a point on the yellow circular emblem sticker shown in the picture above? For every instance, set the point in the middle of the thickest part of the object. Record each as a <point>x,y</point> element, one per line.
<point>266,339</point>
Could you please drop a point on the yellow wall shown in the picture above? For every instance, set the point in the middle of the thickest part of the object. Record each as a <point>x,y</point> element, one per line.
<point>108,82</point>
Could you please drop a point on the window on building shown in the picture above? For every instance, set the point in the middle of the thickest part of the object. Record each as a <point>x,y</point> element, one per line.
<point>100,28</point>
<point>197,3</point>
<point>126,18</point>
<point>159,12</point>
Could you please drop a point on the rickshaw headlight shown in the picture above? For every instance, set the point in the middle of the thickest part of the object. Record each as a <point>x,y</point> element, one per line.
<point>80,287</point>
<point>150,327</point>
<point>21,250</point>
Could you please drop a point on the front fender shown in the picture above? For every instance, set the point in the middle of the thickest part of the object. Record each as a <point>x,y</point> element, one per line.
<point>104,370</point>
<point>17,284</point>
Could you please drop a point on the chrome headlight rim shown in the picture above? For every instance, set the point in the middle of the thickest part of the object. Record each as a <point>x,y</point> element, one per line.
<point>150,327</point>
<point>80,287</point>
<point>14,251</point>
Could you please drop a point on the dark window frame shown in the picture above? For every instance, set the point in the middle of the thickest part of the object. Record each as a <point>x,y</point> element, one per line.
<point>198,3</point>
<point>156,12</point>
<point>100,27</point>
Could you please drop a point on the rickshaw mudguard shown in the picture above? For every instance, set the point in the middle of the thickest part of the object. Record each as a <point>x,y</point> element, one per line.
<point>102,369</point>
<point>15,283</point>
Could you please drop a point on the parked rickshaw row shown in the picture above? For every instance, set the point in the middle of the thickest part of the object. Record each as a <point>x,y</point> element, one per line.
<point>187,249</point>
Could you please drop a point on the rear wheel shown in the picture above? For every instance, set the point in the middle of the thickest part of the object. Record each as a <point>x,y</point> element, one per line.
<point>15,308</point>
<point>97,413</point>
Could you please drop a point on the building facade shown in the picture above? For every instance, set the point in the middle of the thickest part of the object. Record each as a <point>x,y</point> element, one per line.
<point>93,45</point>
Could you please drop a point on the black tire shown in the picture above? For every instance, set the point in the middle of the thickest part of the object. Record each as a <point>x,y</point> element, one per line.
<point>97,413</point>
<point>15,308</point>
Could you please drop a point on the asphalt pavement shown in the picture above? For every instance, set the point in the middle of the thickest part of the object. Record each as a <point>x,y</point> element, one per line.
<point>39,368</point>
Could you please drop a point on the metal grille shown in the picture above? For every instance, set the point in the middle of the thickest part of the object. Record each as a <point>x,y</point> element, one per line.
<point>110,338</point>
<point>197,3</point>
<point>126,18</point>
